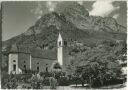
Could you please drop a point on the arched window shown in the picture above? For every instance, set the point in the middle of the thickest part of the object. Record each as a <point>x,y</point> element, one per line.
<point>59,43</point>
<point>46,67</point>
<point>65,43</point>
<point>24,66</point>
<point>25,70</point>
<point>38,68</point>
<point>14,67</point>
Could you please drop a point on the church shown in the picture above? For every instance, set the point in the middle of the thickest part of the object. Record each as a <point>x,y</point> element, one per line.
<point>21,58</point>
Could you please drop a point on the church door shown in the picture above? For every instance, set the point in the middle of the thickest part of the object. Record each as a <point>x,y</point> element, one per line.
<point>14,67</point>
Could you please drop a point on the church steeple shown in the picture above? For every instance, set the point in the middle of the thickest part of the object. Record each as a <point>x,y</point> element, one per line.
<point>60,41</point>
<point>60,49</point>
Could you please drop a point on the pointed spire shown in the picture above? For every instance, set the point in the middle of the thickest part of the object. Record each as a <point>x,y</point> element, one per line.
<point>59,38</point>
<point>60,35</point>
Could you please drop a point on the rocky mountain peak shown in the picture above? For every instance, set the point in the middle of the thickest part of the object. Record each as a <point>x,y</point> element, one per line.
<point>75,24</point>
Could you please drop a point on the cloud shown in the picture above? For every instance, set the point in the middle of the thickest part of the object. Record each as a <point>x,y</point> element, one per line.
<point>102,8</point>
<point>45,7</point>
<point>80,2</point>
<point>116,16</point>
<point>51,5</point>
<point>38,10</point>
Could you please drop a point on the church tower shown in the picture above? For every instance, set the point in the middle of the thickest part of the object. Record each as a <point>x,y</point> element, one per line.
<point>60,49</point>
<point>13,60</point>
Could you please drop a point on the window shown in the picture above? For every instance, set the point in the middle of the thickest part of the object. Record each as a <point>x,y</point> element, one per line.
<point>24,61</point>
<point>38,63</point>
<point>59,43</point>
<point>65,43</point>
<point>24,66</point>
<point>14,60</point>
<point>14,67</point>
<point>46,69</point>
<point>37,68</point>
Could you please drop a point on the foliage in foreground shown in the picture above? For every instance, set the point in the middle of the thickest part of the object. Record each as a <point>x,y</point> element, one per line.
<point>98,64</point>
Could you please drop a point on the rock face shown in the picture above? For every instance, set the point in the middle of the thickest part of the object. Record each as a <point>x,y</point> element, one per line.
<point>81,19</point>
<point>75,23</point>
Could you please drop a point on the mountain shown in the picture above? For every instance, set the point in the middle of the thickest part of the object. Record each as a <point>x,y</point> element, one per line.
<point>77,28</point>
<point>45,32</point>
<point>75,24</point>
<point>81,19</point>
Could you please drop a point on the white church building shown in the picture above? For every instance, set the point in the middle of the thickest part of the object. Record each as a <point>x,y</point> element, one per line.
<point>21,59</point>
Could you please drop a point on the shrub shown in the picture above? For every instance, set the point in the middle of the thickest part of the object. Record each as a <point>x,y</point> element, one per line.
<point>63,81</point>
<point>9,82</point>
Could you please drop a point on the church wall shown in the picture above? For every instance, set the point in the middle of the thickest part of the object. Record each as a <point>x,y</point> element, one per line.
<point>66,58</point>
<point>13,60</point>
<point>24,61</point>
<point>41,63</point>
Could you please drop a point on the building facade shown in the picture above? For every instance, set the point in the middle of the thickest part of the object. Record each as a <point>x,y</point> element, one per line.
<point>21,58</point>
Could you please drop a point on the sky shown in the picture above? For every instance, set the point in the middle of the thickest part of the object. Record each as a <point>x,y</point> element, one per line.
<point>19,16</point>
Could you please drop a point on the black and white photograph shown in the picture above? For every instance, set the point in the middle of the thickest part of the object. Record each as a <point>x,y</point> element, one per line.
<point>63,45</point>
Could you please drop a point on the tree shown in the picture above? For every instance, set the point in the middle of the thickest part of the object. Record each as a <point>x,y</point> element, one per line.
<point>98,64</point>
<point>56,67</point>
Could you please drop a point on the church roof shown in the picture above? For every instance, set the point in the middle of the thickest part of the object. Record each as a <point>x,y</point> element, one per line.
<point>45,54</point>
<point>23,49</point>
<point>19,49</point>
<point>35,52</point>
<point>14,48</point>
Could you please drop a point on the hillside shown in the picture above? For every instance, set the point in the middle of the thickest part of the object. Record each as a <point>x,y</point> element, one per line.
<point>74,25</point>
<point>80,30</point>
